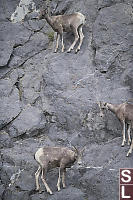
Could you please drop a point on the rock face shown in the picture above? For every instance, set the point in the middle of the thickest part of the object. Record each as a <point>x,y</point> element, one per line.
<point>51,99</point>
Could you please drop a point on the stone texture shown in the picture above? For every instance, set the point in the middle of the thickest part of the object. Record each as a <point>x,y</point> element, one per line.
<point>112,34</point>
<point>30,120</point>
<point>2,188</point>
<point>127,77</point>
<point>70,193</point>
<point>5,140</point>
<point>10,108</point>
<point>51,99</point>
<point>5,55</point>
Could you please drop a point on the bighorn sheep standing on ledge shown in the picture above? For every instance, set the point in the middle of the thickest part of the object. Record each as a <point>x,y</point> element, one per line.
<point>124,113</point>
<point>52,157</point>
<point>65,23</point>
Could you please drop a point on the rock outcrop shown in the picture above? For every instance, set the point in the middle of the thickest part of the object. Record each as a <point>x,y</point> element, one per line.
<point>51,99</point>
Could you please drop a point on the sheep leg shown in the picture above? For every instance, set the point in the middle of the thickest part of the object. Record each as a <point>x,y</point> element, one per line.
<point>37,177</point>
<point>60,31</point>
<point>57,42</point>
<point>131,148</point>
<point>124,134</point>
<point>44,181</point>
<point>62,43</point>
<point>81,35</point>
<point>59,180</point>
<point>128,131</point>
<point>75,40</point>
<point>63,178</point>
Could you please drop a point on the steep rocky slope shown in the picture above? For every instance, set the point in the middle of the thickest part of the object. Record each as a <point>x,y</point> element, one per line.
<point>50,99</point>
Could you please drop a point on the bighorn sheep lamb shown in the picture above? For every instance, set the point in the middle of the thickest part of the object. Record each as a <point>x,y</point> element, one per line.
<point>124,113</point>
<point>65,23</point>
<point>52,157</point>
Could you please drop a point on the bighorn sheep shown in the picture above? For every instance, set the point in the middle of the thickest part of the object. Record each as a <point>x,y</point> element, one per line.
<point>65,23</point>
<point>124,113</point>
<point>52,157</point>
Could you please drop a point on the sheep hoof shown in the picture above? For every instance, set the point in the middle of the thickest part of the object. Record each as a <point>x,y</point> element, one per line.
<point>77,51</point>
<point>123,144</point>
<point>37,189</point>
<point>50,192</point>
<point>40,191</point>
<point>128,154</point>
<point>69,50</point>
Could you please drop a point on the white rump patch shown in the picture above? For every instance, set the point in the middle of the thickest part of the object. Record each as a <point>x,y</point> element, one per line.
<point>38,154</point>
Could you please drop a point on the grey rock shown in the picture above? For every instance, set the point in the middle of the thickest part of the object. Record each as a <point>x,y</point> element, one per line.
<point>7,8</point>
<point>28,122</point>
<point>10,105</point>
<point>69,193</point>
<point>50,99</point>
<point>7,171</point>
<point>16,33</point>
<point>22,180</point>
<point>108,3</point>
<point>15,195</point>
<point>127,77</point>
<point>39,196</point>
<point>2,188</point>
<point>6,49</point>
<point>5,140</point>
<point>12,35</point>
<point>36,44</point>
<point>5,87</point>
<point>110,35</point>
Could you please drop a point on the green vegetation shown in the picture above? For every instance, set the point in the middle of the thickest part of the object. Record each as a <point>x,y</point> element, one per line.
<point>51,36</point>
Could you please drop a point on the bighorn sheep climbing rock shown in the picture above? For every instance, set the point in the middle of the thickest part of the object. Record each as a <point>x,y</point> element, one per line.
<point>65,23</point>
<point>52,157</point>
<point>124,112</point>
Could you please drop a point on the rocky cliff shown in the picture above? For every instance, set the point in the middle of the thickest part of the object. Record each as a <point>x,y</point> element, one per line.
<point>50,99</point>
